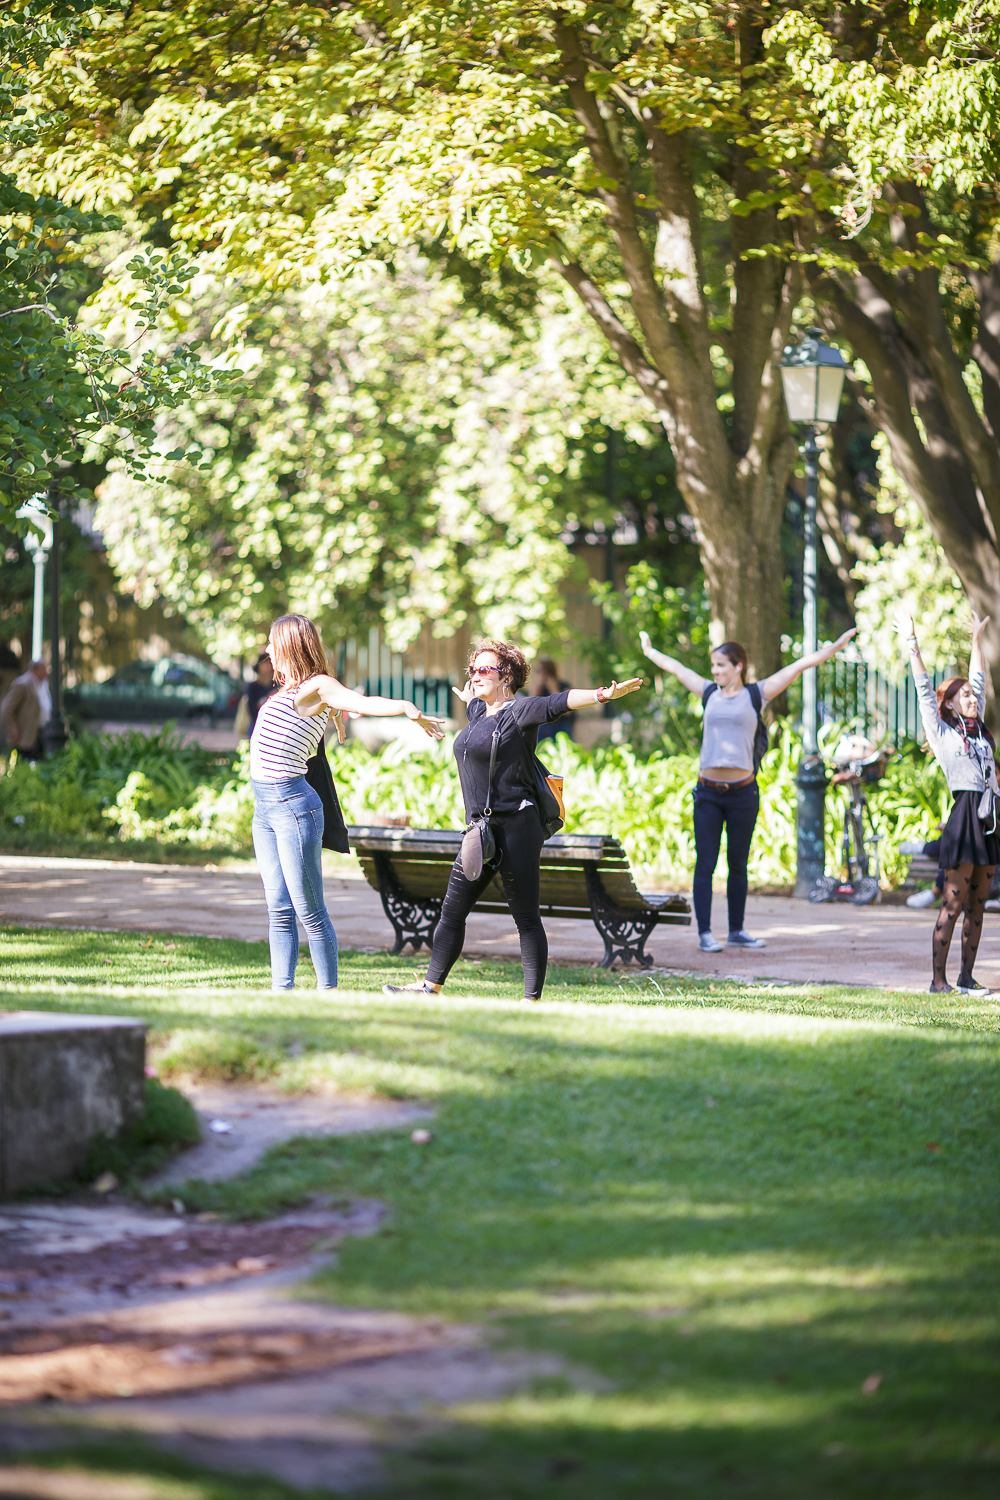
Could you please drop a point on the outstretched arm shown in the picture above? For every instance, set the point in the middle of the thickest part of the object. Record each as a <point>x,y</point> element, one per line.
<point>684,675</point>
<point>584,697</point>
<point>327,690</point>
<point>779,681</point>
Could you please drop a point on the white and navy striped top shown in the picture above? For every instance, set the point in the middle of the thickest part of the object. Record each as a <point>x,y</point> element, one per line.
<point>283,739</point>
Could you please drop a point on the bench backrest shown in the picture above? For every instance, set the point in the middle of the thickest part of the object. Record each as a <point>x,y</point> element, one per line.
<point>422,857</point>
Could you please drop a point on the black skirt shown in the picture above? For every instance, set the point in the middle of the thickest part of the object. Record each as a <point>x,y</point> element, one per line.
<point>965,841</point>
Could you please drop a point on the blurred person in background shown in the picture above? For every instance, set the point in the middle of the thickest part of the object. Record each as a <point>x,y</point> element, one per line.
<point>26,709</point>
<point>546,682</point>
<point>261,688</point>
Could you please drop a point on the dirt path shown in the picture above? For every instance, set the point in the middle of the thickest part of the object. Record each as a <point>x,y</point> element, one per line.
<point>887,946</point>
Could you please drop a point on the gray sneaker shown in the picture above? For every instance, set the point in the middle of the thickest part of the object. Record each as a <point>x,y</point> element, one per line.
<point>744,940</point>
<point>708,944</point>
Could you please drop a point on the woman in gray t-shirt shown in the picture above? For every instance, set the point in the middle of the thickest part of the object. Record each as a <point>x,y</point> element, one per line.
<point>726,795</point>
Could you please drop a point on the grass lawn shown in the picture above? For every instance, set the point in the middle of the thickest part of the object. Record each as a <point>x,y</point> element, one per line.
<point>760,1226</point>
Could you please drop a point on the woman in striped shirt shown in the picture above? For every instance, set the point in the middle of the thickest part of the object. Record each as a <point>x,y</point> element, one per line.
<point>288,815</point>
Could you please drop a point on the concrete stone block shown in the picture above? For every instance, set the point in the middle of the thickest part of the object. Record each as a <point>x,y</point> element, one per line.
<point>64,1080</point>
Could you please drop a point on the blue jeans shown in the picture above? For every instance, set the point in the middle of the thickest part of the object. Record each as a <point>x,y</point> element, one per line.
<point>737,812</point>
<point>288,841</point>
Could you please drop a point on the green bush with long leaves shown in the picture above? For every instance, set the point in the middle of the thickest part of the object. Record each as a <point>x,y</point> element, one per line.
<point>139,788</point>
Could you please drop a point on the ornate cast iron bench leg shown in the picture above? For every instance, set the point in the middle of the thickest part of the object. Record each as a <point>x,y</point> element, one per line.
<point>624,932</point>
<point>412,921</point>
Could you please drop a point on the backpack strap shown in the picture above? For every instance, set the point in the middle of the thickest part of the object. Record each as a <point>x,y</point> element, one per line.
<point>707,691</point>
<point>756,697</point>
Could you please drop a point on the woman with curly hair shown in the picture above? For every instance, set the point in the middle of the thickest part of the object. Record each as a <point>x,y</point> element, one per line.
<point>497,670</point>
<point>963,747</point>
<point>288,820</point>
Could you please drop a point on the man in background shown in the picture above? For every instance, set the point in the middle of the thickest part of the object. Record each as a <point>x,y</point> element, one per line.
<point>26,709</point>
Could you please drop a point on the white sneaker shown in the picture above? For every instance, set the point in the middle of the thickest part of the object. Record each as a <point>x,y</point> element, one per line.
<point>708,944</point>
<point>920,899</point>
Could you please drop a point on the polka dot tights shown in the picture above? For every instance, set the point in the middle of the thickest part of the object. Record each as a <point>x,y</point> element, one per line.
<point>966,887</point>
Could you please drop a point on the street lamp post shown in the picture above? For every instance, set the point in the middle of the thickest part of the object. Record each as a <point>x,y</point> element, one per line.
<point>812,376</point>
<point>54,731</point>
<point>39,546</point>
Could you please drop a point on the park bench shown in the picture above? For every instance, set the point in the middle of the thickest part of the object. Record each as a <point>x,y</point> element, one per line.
<point>583,875</point>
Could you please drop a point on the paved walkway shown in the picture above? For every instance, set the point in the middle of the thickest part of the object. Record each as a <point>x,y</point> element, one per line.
<point>888,946</point>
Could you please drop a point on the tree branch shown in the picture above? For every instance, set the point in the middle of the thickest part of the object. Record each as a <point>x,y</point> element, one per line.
<point>624,345</point>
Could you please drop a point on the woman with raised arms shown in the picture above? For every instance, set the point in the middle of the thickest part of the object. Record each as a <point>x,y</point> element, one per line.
<point>727,795</point>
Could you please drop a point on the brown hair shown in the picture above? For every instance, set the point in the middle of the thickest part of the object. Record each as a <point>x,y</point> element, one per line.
<point>298,651</point>
<point>734,652</point>
<point>512,661</point>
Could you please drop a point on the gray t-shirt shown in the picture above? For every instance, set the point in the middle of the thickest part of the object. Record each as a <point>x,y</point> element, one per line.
<point>729,728</point>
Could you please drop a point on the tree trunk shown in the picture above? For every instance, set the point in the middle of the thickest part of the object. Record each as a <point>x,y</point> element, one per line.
<point>944,452</point>
<point>733,481</point>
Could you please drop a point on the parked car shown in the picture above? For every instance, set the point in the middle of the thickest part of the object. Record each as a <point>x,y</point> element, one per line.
<point>176,687</point>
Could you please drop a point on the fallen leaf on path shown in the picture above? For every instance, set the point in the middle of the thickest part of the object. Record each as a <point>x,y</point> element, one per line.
<point>106,1183</point>
<point>933,1146</point>
<point>420,1137</point>
<point>220,1127</point>
<point>871,1385</point>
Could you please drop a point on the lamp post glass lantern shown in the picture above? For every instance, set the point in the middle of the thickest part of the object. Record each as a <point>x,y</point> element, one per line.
<point>812,378</point>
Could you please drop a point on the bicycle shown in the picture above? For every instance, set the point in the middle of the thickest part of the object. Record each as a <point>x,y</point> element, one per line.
<point>861,764</point>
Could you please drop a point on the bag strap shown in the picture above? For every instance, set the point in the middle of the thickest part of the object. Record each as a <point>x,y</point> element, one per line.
<point>756,697</point>
<point>488,809</point>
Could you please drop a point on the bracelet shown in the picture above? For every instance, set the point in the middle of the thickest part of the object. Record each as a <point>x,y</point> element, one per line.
<point>598,698</point>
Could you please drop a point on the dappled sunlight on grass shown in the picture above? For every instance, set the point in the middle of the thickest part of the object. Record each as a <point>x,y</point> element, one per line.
<point>724,1218</point>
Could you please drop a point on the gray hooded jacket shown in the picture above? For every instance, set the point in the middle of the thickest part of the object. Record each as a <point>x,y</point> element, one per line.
<point>966,770</point>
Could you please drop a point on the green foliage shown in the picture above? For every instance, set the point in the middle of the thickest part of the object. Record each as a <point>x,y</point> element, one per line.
<point>131,786</point>
<point>169,1124</point>
<point>68,392</point>
<point>397,457</point>
<point>677,621</point>
<point>150,788</point>
<point>914,576</point>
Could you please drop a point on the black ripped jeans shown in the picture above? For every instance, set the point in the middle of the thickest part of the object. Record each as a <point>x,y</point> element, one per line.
<point>519,839</point>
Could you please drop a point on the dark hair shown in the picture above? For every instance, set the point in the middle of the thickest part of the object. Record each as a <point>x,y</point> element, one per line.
<point>262,658</point>
<point>547,665</point>
<point>734,652</point>
<point>946,695</point>
<point>512,661</point>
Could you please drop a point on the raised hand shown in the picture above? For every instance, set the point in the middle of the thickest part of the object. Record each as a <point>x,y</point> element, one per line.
<point>977,625</point>
<point>904,625</point>
<point>645,643</point>
<point>842,641</point>
<point>464,692</point>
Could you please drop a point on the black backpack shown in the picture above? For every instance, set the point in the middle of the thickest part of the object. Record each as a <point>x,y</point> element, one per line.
<point>760,739</point>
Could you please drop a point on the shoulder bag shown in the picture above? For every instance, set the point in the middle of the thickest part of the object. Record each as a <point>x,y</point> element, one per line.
<point>320,778</point>
<point>548,788</point>
<point>479,846</point>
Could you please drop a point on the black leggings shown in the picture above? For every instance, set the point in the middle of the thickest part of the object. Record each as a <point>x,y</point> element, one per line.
<point>736,811</point>
<point>519,839</point>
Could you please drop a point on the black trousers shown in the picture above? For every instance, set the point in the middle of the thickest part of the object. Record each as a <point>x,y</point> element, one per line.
<point>736,811</point>
<point>519,838</point>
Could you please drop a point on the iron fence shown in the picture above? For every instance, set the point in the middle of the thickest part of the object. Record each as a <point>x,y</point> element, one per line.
<point>856,693</point>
